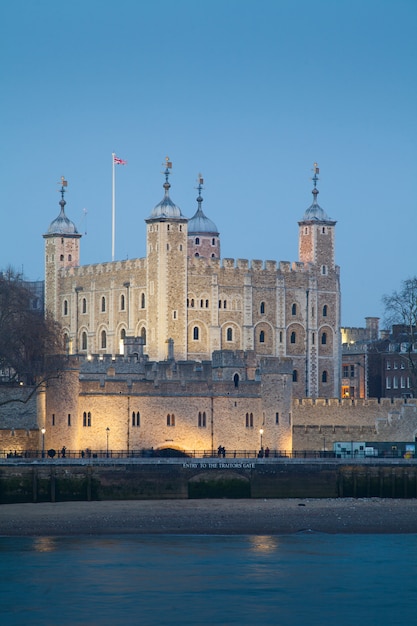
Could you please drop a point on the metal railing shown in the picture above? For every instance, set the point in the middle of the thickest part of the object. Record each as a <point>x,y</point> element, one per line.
<point>163,453</point>
<point>146,453</point>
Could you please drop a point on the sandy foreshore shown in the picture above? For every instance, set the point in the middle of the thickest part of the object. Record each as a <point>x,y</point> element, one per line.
<point>260,517</point>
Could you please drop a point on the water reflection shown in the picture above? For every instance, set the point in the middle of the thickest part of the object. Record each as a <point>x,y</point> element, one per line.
<point>44,544</point>
<point>263,543</point>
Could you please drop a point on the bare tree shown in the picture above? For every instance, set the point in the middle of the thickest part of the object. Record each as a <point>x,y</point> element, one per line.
<point>401,315</point>
<point>31,345</point>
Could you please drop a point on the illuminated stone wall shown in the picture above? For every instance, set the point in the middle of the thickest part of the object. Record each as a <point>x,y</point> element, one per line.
<point>186,406</point>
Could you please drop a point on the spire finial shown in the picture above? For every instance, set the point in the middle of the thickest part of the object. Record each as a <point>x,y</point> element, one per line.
<point>63,184</point>
<point>168,166</point>
<point>315,178</point>
<point>200,187</point>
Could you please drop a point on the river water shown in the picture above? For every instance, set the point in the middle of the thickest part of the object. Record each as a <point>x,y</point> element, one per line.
<point>303,579</point>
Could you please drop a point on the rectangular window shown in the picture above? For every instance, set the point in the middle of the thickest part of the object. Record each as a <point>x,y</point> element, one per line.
<point>402,382</point>
<point>388,365</point>
<point>352,371</point>
<point>395,365</point>
<point>277,418</point>
<point>395,382</point>
<point>388,383</point>
<point>69,419</point>
<point>53,419</point>
<point>345,371</point>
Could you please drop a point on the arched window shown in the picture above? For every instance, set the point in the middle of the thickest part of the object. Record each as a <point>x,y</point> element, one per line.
<point>323,339</point>
<point>103,304</point>
<point>262,337</point>
<point>84,306</point>
<point>207,304</point>
<point>229,334</point>
<point>262,308</point>
<point>294,376</point>
<point>195,333</point>
<point>122,334</point>
<point>142,301</point>
<point>325,310</point>
<point>294,309</point>
<point>236,380</point>
<point>61,258</point>
<point>135,418</point>
<point>84,341</point>
<point>249,420</point>
<point>192,303</point>
<point>201,304</point>
<point>197,241</point>
<point>103,339</point>
<point>69,257</point>
<point>122,302</point>
<point>196,254</point>
<point>170,419</point>
<point>86,419</point>
<point>65,307</point>
<point>213,242</point>
<point>324,377</point>
<point>143,335</point>
<point>293,337</point>
<point>324,270</point>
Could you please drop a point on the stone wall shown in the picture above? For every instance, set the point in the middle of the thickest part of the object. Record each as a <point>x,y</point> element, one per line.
<point>317,424</point>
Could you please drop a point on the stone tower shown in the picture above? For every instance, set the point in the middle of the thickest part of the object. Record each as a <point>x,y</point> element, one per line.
<point>166,278</point>
<point>62,250</point>
<point>316,235</point>
<point>322,298</point>
<point>203,235</point>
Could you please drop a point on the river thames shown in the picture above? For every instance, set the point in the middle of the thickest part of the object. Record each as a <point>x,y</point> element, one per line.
<point>306,578</point>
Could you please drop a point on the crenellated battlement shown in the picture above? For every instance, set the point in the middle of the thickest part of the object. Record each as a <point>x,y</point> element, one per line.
<point>254,265</point>
<point>385,403</point>
<point>98,269</point>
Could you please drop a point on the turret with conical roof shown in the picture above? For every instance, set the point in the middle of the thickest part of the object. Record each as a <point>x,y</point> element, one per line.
<point>166,277</point>
<point>316,233</point>
<point>203,234</point>
<point>62,250</point>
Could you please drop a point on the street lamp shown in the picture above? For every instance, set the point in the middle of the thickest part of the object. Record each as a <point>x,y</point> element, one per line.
<point>107,434</point>
<point>261,433</point>
<point>43,431</point>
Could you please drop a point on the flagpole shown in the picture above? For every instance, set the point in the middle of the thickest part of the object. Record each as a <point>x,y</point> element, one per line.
<point>113,207</point>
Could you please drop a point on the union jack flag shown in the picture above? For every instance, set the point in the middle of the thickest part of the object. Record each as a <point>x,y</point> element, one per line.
<point>118,161</point>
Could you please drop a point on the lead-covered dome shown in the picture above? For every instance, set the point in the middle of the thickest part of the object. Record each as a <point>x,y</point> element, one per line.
<point>62,225</point>
<point>315,212</point>
<point>166,208</point>
<point>200,224</point>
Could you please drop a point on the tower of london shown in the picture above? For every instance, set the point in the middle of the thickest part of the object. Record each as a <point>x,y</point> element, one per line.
<point>184,340</point>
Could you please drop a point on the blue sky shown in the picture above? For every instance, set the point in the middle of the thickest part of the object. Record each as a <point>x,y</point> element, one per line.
<point>249,92</point>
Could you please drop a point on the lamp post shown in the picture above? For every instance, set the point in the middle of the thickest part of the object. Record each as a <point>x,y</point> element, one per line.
<point>261,433</point>
<point>43,431</point>
<point>107,435</point>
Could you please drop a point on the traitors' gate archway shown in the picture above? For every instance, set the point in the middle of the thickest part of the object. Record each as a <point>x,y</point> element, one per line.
<point>225,484</point>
